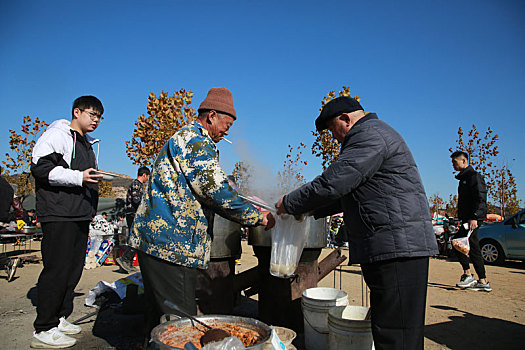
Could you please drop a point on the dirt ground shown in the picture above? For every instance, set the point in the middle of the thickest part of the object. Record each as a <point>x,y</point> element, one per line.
<point>455,319</point>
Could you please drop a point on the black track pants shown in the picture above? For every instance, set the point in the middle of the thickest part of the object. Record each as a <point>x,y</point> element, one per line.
<point>474,254</point>
<point>63,254</point>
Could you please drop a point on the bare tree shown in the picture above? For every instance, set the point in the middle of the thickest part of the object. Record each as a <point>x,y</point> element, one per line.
<point>436,203</point>
<point>291,175</point>
<point>452,205</point>
<point>504,191</point>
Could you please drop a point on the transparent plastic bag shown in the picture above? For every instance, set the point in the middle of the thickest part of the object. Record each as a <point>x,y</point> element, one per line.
<point>230,343</point>
<point>462,244</point>
<point>288,240</point>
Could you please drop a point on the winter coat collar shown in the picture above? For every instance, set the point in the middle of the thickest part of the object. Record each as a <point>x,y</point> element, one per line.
<point>468,171</point>
<point>366,118</point>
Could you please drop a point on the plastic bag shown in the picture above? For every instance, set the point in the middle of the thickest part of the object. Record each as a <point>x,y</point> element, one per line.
<point>462,244</point>
<point>230,343</point>
<point>277,344</point>
<point>288,240</point>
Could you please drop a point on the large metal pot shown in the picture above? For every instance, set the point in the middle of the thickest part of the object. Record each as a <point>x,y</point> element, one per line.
<point>28,230</point>
<point>263,329</point>
<point>316,237</point>
<point>226,240</point>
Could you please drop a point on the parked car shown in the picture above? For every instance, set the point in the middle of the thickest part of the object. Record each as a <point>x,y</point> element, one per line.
<point>503,240</point>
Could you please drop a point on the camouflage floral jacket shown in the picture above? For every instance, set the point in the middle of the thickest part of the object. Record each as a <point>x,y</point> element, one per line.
<point>186,181</point>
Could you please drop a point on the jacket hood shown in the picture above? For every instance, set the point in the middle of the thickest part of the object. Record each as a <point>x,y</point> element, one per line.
<point>65,126</point>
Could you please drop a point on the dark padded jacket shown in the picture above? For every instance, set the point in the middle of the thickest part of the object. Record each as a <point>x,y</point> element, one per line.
<point>6,198</point>
<point>376,183</point>
<point>472,195</point>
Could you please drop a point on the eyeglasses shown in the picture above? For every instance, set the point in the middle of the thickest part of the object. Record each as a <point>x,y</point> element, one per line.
<point>93,115</point>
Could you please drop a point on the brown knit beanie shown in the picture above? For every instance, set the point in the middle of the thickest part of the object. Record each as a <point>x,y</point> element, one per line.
<point>219,99</point>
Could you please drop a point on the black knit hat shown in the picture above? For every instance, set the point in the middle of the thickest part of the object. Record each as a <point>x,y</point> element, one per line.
<point>335,108</point>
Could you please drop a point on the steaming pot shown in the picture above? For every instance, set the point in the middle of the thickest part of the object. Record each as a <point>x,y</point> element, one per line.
<point>316,238</point>
<point>226,240</point>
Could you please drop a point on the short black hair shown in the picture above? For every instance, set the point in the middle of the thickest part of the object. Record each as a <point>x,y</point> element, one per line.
<point>84,102</point>
<point>458,154</point>
<point>104,213</point>
<point>143,170</point>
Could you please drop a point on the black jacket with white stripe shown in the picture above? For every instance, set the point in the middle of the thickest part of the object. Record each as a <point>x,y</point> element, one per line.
<point>59,157</point>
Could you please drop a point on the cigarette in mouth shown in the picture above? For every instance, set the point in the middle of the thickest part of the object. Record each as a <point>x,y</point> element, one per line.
<point>225,139</point>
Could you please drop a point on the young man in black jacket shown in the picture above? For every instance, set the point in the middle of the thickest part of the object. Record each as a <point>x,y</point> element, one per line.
<point>472,210</point>
<point>63,162</point>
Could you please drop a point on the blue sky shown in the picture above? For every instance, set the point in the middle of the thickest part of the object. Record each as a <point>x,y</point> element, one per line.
<point>425,67</point>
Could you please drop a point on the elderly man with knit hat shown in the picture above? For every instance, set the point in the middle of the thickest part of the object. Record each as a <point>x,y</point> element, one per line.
<point>186,186</point>
<point>376,184</point>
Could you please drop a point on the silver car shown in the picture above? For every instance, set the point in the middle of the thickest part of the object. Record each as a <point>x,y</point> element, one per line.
<point>503,240</point>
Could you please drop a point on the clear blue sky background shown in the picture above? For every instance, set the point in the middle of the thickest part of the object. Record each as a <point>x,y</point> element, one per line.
<point>425,67</point>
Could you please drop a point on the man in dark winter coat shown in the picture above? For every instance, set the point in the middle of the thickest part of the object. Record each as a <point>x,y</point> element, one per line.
<point>63,165</point>
<point>472,210</point>
<point>376,184</point>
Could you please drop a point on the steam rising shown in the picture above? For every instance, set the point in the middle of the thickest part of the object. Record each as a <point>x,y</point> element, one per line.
<point>262,182</point>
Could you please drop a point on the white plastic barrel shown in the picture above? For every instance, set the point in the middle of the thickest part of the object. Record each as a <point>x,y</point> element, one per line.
<point>348,328</point>
<point>316,302</point>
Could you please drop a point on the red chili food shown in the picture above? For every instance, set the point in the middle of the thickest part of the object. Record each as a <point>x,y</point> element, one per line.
<point>178,336</point>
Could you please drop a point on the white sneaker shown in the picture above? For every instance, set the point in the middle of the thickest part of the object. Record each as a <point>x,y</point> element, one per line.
<point>51,339</point>
<point>67,327</point>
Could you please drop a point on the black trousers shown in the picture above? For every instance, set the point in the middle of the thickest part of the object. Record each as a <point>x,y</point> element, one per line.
<point>474,254</point>
<point>166,281</point>
<point>63,250</point>
<point>129,252</point>
<point>398,291</point>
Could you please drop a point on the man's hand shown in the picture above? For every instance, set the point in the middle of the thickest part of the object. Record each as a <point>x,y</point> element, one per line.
<point>269,220</point>
<point>280,207</point>
<point>473,224</point>
<point>91,178</point>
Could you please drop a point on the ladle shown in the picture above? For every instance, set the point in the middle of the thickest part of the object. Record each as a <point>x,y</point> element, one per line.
<point>211,335</point>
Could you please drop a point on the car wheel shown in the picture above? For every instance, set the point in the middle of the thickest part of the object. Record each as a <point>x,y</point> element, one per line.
<point>492,252</point>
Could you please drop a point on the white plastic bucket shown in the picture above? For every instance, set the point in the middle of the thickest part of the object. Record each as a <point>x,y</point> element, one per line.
<point>316,302</point>
<point>348,328</point>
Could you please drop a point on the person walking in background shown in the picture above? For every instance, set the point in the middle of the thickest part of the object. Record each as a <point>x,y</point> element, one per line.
<point>133,198</point>
<point>376,184</point>
<point>171,230</point>
<point>63,162</point>
<point>472,211</point>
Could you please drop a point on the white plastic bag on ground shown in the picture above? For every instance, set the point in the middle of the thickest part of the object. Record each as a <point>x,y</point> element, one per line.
<point>288,240</point>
